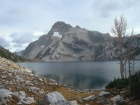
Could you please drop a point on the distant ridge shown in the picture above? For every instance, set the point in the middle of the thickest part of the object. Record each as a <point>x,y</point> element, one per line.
<point>11,56</point>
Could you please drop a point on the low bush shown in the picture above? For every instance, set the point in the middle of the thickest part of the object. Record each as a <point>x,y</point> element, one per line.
<point>127,94</point>
<point>133,82</point>
<point>135,85</point>
<point>118,83</point>
<point>121,103</point>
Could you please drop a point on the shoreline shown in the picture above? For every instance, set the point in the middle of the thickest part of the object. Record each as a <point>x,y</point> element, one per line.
<point>20,85</point>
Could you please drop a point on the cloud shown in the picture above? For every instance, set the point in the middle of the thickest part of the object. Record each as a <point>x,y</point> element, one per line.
<point>108,8</point>
<point>18,50</point>
<point>104,8</point>
<point>19,39</point>
<point>17,45</point>
<point>137,31</point>
<point>4,43</point>
<point>22,38</point>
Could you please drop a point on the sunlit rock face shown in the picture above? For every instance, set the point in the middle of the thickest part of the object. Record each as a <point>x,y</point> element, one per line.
<point>66,43</point>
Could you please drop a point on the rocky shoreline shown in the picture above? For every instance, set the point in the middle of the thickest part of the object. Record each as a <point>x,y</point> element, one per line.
<point>22,86</point>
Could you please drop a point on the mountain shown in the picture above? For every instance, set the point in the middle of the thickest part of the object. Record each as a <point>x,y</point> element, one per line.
<point>66,43</point>
<point>19,53</point>
<point>11,56</point>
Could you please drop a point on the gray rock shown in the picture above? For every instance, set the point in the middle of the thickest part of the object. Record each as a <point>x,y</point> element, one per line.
<point>3,77</point>
<point>116,98</point>
<point>102,100</point>
<point>103,93</point>
<point>1,86</point>
<point>41,91</point>
<point>32,88</point>
<point>4,94</point>
<point>53,98</point>
<point>30,100</point>
<point>22,95</point>
<point>122,92</point>
<point>89,98</point>
<point>74,102</point>
<point>10,74</point>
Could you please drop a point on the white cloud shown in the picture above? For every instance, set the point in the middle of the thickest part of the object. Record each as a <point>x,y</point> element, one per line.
<point>38,33</point>
<point>3,42</point>
<point>22,38</point>
<point>136,31</point>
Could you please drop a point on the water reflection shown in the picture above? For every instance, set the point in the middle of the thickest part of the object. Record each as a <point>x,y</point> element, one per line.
<point>79,81</point>
<point>81,75</point>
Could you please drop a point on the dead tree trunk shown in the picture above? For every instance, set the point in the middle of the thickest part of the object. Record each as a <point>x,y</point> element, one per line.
<point>119,30</point>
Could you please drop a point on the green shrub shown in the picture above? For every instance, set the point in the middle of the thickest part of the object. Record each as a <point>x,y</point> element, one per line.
<point>118,83</point>
<point>135,88</point>
<point>127,94</point>
<point>133,82</point>
<point>135,85</point>
<point>121,103</point>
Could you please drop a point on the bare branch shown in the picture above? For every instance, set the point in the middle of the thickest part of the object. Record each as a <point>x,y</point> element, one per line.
<point>119,30</point>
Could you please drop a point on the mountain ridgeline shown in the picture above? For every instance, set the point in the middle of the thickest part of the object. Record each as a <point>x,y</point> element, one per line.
<point>66,43</point>
<point>11,56</point>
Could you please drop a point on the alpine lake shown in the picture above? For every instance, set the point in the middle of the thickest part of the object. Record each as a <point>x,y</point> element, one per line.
<point>80,75</point>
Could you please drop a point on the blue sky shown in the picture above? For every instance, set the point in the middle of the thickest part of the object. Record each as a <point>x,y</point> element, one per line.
<point>23,21</point>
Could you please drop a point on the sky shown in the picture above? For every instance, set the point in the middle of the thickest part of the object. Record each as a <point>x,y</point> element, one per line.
<point>24,21</point>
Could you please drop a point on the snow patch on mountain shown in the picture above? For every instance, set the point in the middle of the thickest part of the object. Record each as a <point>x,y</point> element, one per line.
<point>56,34</point>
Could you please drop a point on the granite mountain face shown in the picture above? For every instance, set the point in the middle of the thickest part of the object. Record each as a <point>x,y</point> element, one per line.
<point>66,43</point>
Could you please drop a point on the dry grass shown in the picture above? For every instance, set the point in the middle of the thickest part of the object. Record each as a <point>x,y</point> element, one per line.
<point>76,95</point>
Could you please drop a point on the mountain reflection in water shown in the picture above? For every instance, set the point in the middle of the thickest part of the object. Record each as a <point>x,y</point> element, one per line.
<point>80,75</point>
<point>79,81</point>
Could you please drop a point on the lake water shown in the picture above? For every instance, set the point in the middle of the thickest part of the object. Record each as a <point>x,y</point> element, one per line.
<point>80,75</point>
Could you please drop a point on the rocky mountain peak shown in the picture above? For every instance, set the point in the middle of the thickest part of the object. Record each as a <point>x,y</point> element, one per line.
<point>61,24</point>
<point>77,26</point>
<point>60,27</point>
